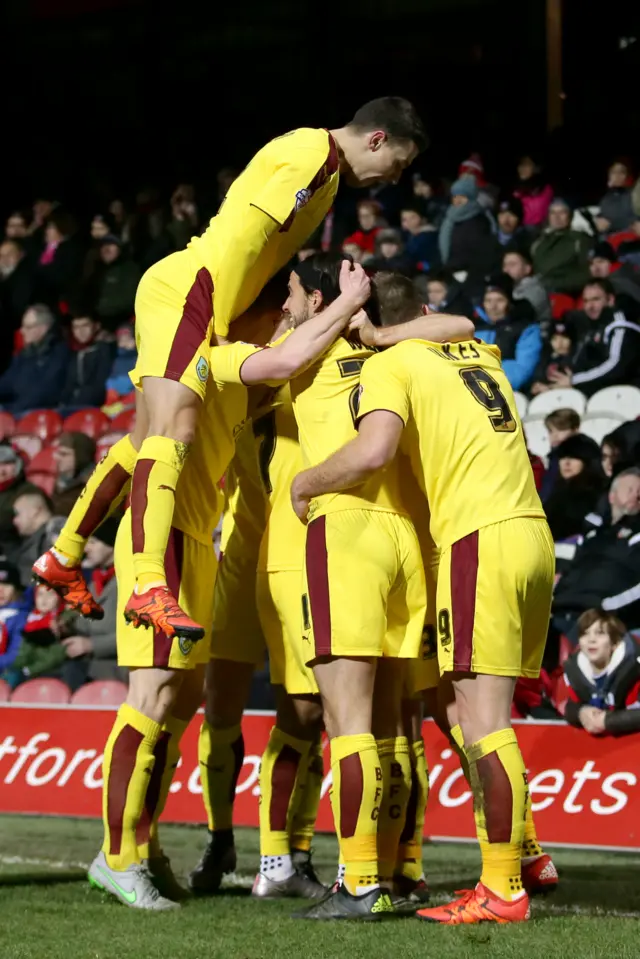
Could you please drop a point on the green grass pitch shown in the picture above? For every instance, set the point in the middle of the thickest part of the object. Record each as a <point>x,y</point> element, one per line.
<point>48,911</point>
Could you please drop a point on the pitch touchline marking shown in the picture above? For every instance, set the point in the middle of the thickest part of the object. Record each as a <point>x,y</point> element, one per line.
<point>56,864</point>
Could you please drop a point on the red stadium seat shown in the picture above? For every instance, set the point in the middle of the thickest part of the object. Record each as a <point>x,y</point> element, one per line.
<point>560,303</point>
<point>106,441</point>
<point>44,423</point>
<point>124,421</point>
<point>7,424</point>
<point>45,481</point>
<point>106,692</point>
<point>93,422</point>
<point>41,691</point>
<point>5,691</point>
<point>44,461</point>
<point>26,443</point>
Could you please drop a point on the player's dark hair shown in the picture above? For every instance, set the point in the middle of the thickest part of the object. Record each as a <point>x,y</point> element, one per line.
<point>396,116</point>
<point>605,285</point>
<point>396,298</point>
<point>322,272</point>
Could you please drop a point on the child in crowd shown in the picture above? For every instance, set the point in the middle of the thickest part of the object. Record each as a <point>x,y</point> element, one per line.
<point>556,355</point>
<point>603,677</point>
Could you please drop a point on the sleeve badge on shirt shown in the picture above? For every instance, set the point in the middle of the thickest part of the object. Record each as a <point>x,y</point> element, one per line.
<point>202,369</point>
<point>302,198</point>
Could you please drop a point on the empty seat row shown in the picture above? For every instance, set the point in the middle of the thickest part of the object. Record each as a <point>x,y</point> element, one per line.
<point>107,692</point>
<point>620,401</point>
<point>48,424</point>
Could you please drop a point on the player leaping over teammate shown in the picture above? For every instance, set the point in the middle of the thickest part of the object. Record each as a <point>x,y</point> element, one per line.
<point>188,301</point>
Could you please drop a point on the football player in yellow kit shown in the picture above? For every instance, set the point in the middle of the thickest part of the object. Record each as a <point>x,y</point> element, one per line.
<point>188,301</point>
<point>165,686</point>
<point>452,408</point>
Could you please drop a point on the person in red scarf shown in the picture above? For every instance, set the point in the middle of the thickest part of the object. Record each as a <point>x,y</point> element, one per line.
<point>91,650</point>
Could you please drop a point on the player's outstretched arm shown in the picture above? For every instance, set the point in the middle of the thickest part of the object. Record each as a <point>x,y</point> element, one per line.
<point>310,340</point>
<point>437,327</point>
<point>372,449</point>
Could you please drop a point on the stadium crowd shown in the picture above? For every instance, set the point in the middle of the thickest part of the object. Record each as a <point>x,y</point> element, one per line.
<point>556,288</point>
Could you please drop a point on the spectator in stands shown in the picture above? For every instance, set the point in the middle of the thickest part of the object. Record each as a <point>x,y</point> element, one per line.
<point>60,263</point>
<point>370,222</point>
<point>35,377</point>
<point>473,168</point>
<point>12,485</point>
<point>14,609</point>
<point>111,291</point>
<point>616,211</point>
<point>605,570</point>
<point>445,295</point>
<point>102,225</point>
<point>603,677</point>
<point>512,235</point>
<point>119,382</point>
<point>88,367</point>
<point>32,513</point>
<point>577,486</point>
<point>75,456</point>
<point>16,227</point>
<point>91,649</point>
<point>561,255</point>
<point>420,239</point>
<point>467,238</point>
<point>624,277</point>
<point>557,355</point>
<point>41,211</point>
<point>518,265</point>
<point>510,328</point>
<point>533,191</point>
<point>390,254</point>
<point>609,352</point>
<point>621,448</point>
<point>431,206</point>
<point>40,652</point>
<point>561,425</point>
<point>16,291</point>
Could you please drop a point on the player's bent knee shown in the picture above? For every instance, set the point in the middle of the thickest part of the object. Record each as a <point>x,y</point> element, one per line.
<point>153,692</point>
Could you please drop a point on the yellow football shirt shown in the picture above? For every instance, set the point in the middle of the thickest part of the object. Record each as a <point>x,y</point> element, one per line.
<point>279,461</point>
<point>463,434</point>
<point>245,511</point>
<point>199,499</point>
<point>293,179</point>
<point>325,403</point>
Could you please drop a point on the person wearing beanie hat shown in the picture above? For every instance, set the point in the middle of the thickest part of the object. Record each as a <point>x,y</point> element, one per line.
<point>561,255</point>
<point>91,648</point>
<point>12,485</point>
<point>578,486</point>
<point>467,239</point>
<point>510,327</point>
<point>75,459</point>
<point>512,235</point>
<point>557,354</point>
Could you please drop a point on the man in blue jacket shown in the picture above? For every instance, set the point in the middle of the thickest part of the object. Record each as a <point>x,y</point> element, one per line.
<point>35,377</point>
<point>512,328</point>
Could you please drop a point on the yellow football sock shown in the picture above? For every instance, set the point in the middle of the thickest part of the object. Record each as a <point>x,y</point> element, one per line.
<point>498,781</point>
<point>458,745</point>
<point>220,755</point>
<point>306,809</point>
<point>167,753</point>
<point>530,845</point>
<point>103,492</point>
<point>127,769</point>
<point>283,762</point>
<point>356,798</point>
<point>153,494</point>
<point>409,862</point>
<point>395,763</point>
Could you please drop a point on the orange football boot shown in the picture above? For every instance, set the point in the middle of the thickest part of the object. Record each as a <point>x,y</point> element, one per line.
<point>157,607</point>
<point>478,905</point>
<point>68,582</point>
<point>540,876</point>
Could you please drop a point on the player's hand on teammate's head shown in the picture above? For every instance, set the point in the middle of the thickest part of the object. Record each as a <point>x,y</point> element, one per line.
<point>354,283</point>
<point>362,328</point>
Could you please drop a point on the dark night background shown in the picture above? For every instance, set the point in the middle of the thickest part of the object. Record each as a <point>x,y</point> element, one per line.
<point>103,96</point>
